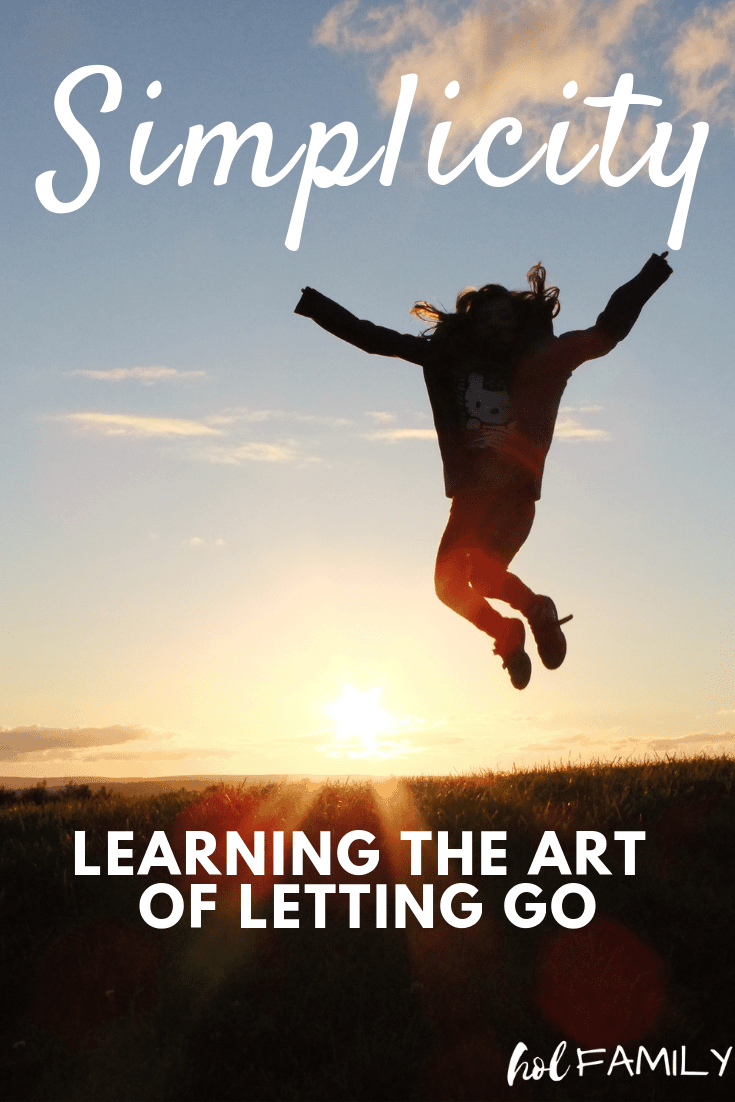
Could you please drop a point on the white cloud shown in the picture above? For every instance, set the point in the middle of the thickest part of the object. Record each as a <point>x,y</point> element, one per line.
<point>255,451</point>
<point>381,416</point>
<point>229,423</point>
<point>184,753</point>
<point>703,62</point>
<point>198,541</point>
<point>244,415</point>
<point>568,428</point>
<point>146,375</point>
<point>581,409</point>
<point>333,422</point>
<point>122,424</point>
<point>283,451</point>
<point>383,29</point>
<point>391,436</point>
<point>511,57</point>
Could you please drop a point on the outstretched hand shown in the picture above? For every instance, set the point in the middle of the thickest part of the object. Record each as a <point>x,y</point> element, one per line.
<point>662,257</point>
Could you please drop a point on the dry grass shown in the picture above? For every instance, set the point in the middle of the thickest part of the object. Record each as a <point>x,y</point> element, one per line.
<point>99,1006</point>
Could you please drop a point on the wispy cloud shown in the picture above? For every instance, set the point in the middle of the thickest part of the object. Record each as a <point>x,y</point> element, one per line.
<point>245,415</point>
<point>581,409</point>
<point>229,423</point>
<point>318,419</point>
<point>614,744</point>
<point>703,63</point>
<point>19,743</point>
<point>198,541</point>
<point>123,424</point>
<point>280,451</point>
<point>383,28</point>
<point>145,375</point>
<point>511,57</point>
<point>255,451</point>
<point>239,416</point>
<point>43,747</point>
<point>568,428</point>
<point>392,436</point>
<point>137,757</point>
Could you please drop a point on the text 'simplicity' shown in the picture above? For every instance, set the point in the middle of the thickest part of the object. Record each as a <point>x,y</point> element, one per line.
<point>312,172</point>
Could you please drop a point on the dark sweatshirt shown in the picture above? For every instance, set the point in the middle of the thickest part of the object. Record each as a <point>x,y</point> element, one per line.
<point>493,434</point>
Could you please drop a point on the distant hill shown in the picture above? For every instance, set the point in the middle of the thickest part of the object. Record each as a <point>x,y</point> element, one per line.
<point>143,786</point>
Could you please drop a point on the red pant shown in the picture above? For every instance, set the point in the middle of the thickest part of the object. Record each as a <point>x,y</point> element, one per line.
<point>486,528</point>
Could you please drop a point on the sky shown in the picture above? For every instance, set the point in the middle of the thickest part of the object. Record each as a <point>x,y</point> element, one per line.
<point>220,522</point>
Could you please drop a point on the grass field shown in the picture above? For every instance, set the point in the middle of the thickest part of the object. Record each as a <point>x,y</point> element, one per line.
<point>99,1005</point>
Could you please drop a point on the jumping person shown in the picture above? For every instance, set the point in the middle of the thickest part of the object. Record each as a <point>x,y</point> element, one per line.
<point>495,374</point>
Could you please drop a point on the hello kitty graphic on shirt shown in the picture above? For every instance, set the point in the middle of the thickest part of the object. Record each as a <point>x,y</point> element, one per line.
<point>489,422</point>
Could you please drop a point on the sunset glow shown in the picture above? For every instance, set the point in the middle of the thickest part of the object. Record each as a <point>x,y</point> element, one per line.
<point>359,716</point>
<point>365,729</point>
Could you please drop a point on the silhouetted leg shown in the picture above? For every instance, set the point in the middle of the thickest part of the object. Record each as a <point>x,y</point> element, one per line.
<point>489,578</point>
<point>483,534</point>
<point>452,580</point>
<point>485,530</point>
<point>452,583</point>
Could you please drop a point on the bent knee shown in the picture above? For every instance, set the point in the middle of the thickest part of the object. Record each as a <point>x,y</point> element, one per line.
<point>451,578</point>
<point>445,589</point>
<point>485,571</point>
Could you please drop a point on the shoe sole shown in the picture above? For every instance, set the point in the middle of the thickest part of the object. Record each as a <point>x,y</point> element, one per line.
<point>517,663</point>
<point>550,641</point>
<point>519,669</point>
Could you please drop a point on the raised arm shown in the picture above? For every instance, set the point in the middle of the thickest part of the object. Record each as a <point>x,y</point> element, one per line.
<point>619,316</point>
<point>363,334</point>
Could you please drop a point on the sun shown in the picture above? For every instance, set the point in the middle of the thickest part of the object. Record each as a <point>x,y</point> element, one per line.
<point>360,717</point>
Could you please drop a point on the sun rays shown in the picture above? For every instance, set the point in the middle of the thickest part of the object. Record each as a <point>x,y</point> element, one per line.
<point>365,729</point>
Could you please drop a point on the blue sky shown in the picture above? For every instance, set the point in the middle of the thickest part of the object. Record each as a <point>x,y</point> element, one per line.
<point>216,516</point>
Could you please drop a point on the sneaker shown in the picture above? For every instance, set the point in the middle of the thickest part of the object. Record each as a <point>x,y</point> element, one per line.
<point>510,648</point>
<point>546,628</point>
